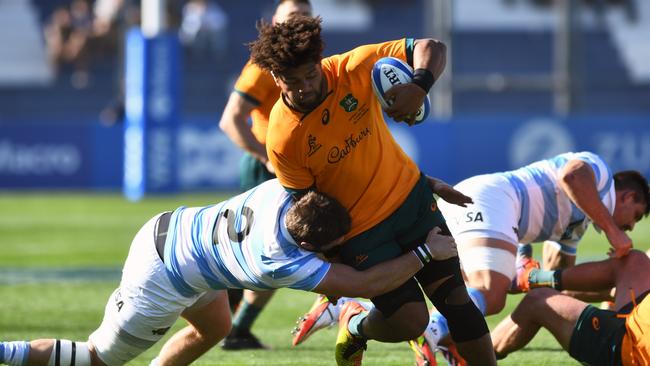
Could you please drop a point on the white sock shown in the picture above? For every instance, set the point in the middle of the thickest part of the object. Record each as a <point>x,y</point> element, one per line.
<point>336,310</point>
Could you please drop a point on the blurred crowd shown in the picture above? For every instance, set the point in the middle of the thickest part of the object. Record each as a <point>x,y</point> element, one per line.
<point>84,32</point>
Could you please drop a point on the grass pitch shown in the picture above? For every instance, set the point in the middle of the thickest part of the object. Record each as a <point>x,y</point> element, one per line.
<point>61,256</point>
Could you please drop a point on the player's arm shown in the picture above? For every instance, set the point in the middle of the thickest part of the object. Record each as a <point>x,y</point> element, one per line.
<point>578,180</point>
<point>234,123</point>
<point>343,280</point>
<point>429,60</point>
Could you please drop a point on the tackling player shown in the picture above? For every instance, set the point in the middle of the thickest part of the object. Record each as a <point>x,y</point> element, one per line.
<point>254,95</point>
<point>327,132</point>
<point>181,262</point>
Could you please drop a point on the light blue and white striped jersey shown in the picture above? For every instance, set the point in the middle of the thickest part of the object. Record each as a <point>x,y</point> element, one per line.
<point>251,248</point>
<point>547,213</point>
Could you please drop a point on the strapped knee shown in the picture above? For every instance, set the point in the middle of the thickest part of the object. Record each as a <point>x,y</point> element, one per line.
<point>464,319</point>
<point>67,352</point>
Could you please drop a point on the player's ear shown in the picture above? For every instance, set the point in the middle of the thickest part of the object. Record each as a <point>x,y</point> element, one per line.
<point>629,196</point>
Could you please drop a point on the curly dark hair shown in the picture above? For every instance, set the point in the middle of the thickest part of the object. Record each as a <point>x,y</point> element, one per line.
<point>287,45</point>
<point>317,219</point>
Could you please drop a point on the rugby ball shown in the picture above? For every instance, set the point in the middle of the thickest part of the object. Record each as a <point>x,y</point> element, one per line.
<point>390,71</point>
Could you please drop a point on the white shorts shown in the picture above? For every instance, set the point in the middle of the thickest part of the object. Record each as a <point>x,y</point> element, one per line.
<point>475,258</point>
<point>494,214</point>
<point>144,307</point>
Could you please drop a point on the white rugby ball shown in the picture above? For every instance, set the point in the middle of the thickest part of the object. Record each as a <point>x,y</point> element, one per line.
<point>390,71</point>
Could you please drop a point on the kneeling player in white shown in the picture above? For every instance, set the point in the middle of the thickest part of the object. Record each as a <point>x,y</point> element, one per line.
<point>180,264</point>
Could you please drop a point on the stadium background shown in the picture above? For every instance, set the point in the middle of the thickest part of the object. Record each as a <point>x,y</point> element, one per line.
<point>522,84</point>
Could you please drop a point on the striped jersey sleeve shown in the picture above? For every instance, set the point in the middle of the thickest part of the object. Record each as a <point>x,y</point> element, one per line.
<point>240,243</point>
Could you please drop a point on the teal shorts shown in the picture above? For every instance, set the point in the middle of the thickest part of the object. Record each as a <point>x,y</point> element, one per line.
<point>404,229</point>
<point>597,337</point>
<point>252,172</point>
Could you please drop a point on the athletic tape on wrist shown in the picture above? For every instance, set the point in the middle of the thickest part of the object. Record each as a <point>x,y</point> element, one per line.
<point>424,79</point>
<point>423,254</point>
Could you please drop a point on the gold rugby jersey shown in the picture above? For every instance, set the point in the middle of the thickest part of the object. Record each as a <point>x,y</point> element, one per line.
<point>343,147</point>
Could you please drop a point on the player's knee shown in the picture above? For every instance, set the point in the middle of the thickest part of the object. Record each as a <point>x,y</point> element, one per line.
<point>537,298</point>
<point>415,326</point>
<point>495,302</point>
<point>65,352</point>
<point>213,334</point>
<point>464,319</point>
<point>635,259</point>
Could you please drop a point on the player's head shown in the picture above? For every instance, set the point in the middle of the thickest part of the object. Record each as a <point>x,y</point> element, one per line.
<point>632,199</point>
<point>291,52</point>
<point>318,222</point>
<point>289,8</point>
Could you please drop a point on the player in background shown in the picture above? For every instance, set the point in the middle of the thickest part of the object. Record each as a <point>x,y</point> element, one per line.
<point>253,96</point>
<point>327,132</point>
<point>552,200</point>
<point>181,262</point>
<point>591,336</point>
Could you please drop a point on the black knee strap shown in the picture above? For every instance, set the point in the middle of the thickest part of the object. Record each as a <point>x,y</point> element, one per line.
<point>391,301</point>
<point>465,320</point>
<point>436,270</point>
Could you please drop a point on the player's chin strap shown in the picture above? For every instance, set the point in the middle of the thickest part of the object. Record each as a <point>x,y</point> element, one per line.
<point>67,352</point>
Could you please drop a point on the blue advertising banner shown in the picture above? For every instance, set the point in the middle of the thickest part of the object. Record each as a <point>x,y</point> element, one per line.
<point>152,112</point>
<point>469,146</point>
<point>46,155</point>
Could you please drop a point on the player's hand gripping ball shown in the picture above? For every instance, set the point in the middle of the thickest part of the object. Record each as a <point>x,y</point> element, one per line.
<point>390,71</point>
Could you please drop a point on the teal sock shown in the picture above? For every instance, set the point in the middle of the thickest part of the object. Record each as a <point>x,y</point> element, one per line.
<point>541,278</point>
<point>245,317</point>
<point>354,325</point>
<point>14,353</point>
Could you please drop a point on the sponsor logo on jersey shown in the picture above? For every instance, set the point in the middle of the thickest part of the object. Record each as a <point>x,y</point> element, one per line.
<point>325,118</point>
<point>349,103</point>
<point>160,331</point>
<point>595,323</point>
<point>118,301</point>
<point>361,258</point>
<point>313,145</point>
<point>338,153</point>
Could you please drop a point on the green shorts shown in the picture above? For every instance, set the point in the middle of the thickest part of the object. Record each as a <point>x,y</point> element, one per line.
<point>404,229</point>
<point>252,172</point>
<point>597,337</point>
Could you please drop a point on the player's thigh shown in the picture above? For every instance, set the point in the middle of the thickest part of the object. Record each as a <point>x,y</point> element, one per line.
<point>402,301</point>
<point>597,335</point>
<point>143,308</point>
<point>494,213</point>
<point>406,226</point>
<point>482,258</point>
<point>210,315</point>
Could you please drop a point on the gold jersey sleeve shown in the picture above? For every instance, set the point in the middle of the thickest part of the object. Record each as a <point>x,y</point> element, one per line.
<point>344,147</point>
<point>635,348</point>
<point>258,87</point>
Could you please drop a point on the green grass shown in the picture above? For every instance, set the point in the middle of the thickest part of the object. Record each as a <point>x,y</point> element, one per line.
<point>45,231</point>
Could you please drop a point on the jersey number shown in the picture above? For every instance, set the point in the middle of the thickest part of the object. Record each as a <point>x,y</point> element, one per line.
<point>233,234</point>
